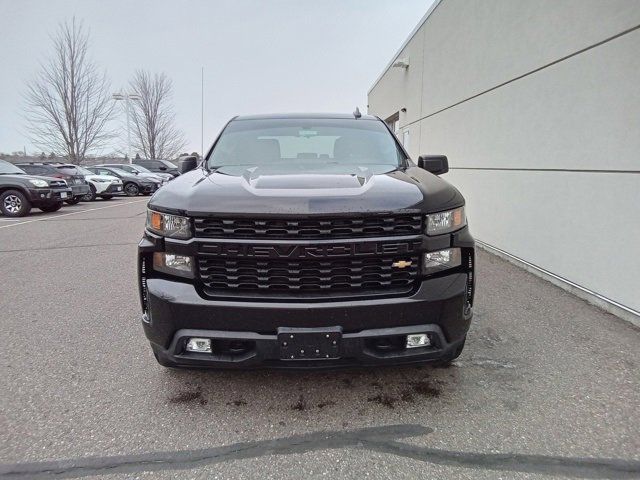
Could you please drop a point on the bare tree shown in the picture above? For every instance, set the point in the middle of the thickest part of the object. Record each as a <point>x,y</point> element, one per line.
<point>68,103</point>
<point>152,119</point>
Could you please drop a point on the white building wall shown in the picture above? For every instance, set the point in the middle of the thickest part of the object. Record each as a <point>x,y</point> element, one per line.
<point>537,106</point>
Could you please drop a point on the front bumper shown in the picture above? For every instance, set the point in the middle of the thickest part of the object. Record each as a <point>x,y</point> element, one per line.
<point>114,188</point>
<point>80,190</point>
<point>365,348</point>
<point>40,197</point>
<point>175,312</point>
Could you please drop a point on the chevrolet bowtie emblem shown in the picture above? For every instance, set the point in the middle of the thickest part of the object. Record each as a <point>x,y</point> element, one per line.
<point>401,264</point>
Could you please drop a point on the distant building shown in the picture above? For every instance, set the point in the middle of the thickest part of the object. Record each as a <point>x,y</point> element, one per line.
<point>537,105</point>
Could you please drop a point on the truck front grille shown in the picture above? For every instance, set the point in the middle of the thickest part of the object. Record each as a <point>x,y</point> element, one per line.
<point>309,228</point>
<point>308,277</point>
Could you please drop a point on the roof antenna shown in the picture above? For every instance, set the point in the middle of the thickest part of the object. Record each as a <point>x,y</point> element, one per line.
<point>357,113</point>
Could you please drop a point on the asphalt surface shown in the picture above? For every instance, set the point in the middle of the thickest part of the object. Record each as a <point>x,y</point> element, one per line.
<point>548,386</point>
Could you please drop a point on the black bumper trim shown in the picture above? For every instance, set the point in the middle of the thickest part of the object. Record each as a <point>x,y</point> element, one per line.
<point>48,196</point>
<point>355,350</point>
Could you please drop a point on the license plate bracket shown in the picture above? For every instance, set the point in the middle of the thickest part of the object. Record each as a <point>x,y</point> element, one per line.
<point>309,343</point>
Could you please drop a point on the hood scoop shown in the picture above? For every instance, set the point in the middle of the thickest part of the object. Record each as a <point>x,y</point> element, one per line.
<point>270,183</point>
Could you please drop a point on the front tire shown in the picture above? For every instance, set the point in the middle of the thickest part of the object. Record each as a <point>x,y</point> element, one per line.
<point>73,200</point>
<point>52,208</point>
<point>131,189</point>
<point>91,196</point>
<point>14,203</point>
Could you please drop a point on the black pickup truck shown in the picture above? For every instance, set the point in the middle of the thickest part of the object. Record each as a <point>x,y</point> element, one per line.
<point>20,192</point>
<point>303,241</point>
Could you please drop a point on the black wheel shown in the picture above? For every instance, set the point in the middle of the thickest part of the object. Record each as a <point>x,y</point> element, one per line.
<point>106,197</point>
<point>52,208</point>
<point>91,196</point>
<point>73,200</point>
<point>13,203</point>
<point>131,189</point>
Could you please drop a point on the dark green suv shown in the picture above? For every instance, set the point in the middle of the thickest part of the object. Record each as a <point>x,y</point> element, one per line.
<point>20,192</point>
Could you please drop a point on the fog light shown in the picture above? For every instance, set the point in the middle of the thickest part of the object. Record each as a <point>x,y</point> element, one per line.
<point>173,264</point>
<point>416,340</point>
<point>199,345</point>
<point>441,260</point>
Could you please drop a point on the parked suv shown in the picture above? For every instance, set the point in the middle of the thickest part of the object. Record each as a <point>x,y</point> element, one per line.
<point>132,184</point>
<point>158,166</point>
<point>103,186</point>
<point>67,172</point>
<point>140,171</point>
<point>307,241</point>
<point>20,192</point>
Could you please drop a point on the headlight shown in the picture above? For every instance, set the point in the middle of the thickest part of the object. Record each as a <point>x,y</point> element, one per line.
<point>168,225</point>
<point>179,265</point>
<point>39,183</point>
<point>446,222</point>
<point>441,260</point>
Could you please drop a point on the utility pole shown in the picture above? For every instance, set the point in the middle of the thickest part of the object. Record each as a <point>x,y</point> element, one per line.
<point>127,97</point>
<point>202,113</point>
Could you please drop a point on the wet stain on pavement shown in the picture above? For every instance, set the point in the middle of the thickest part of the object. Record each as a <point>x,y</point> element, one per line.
<point>188,397</point>
<point>425,388</point>
<point>300,405</point>
<point>385,399</point>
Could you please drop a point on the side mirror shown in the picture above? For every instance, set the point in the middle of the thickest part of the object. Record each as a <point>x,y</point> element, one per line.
<point>186,164</point>
<point>436,164</point>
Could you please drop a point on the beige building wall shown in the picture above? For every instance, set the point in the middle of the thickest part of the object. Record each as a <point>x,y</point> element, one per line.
<point>537,106</point>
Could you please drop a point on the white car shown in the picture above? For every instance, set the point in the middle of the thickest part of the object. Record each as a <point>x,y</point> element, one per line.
<point>103,186</point>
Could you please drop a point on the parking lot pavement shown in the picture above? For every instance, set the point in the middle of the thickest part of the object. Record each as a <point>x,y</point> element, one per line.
<point>545,378</point>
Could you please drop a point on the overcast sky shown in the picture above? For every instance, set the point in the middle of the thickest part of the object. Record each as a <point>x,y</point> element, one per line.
<point>259,56</point>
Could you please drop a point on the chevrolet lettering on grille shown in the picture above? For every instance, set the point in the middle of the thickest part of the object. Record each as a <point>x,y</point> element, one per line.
<point>309,251</point>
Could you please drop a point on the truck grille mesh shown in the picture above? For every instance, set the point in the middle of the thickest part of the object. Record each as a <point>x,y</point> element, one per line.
<point>306,276</point>
<point>345,227</point>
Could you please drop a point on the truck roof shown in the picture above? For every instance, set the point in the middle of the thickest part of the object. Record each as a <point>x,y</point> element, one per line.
<point>265,116</point>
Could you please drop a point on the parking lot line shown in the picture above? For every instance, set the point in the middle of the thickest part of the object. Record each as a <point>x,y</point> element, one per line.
<point>72,213</point>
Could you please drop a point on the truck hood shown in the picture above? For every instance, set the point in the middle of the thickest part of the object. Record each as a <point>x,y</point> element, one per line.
<point>256,191</point>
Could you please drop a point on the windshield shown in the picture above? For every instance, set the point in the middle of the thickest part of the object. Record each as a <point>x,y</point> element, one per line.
<point>169,164</point>
<point>307,144</point>
<point>118,171</point>
<point>10,169</point>
<point>68,169</point>
<point>84,171</point>
<point>138,168</point>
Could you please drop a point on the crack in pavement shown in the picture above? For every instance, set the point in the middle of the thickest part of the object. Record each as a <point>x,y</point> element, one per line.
<point>378,439</point>
<point>512,462</point>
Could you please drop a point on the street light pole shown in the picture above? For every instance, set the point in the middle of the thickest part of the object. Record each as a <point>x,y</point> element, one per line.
<point>127,97</point>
